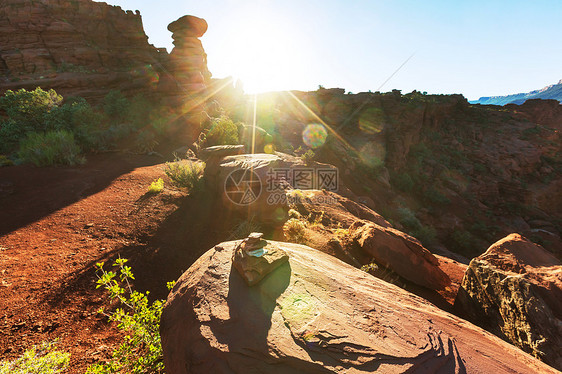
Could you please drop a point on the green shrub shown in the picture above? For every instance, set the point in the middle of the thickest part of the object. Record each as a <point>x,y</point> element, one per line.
<point>403,182</point>
<point>29,108</point>
<point>27,111</point>
<point>221,132</point>
<point>115,105</point>
<point>435,197</point>
<point>5,161</point>
<point>463,239</point>
<point>51,148</point>
<point>294,231</point>
<point>425,234</point>
<point>186,174</point>
<point>42,359</point>
<point>141,350</point>
<point>145,141</point>
<point>157,186</point>
<point>408,218</point>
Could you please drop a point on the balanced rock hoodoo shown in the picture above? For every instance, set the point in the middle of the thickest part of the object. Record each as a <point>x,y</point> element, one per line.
<point>187,65</point>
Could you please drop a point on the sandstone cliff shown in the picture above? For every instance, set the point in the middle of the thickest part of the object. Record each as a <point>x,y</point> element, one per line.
<point>78,47</point>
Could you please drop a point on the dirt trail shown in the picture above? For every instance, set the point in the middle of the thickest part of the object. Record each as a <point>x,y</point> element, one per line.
<point>56,223</point>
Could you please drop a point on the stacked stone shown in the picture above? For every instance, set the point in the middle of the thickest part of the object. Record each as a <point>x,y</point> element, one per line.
<point>187,64</point>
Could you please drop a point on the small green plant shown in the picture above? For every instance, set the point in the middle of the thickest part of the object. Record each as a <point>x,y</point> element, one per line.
<point>294,230</point>
<point>245,228</point>
<point>221,132</point>
<point>186,174</point>
<point>5,161</point>
<point>308,156</point>
<point>42,359</point>
<point>141,350</point>
<point>50,148</point>
<point>370,267</point>
<point>156,186</point>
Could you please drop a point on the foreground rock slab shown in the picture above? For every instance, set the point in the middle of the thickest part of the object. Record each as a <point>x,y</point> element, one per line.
<point>514,289</point>
<point>316,314</point>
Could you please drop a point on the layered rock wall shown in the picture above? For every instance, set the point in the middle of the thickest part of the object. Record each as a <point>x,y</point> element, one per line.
<point>78,47</point>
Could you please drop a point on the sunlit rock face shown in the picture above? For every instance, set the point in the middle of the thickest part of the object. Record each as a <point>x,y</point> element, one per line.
<point>316,314</point>
<point>186,71</point>
<point>80,48</point>
<point>514,289</point>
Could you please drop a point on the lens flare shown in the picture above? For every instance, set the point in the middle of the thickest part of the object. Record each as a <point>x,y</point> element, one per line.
<point>314,135</point>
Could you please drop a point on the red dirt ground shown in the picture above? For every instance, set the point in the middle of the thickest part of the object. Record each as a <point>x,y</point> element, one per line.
<point>56,223</point>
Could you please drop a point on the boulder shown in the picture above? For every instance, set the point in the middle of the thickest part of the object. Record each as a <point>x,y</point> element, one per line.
<point>401,253</point>
<point>514,290</point>
<point>257,182</point>
<point>316,314</point>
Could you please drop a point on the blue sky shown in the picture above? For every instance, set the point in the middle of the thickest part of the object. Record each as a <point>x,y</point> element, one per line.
<point>477,48</point>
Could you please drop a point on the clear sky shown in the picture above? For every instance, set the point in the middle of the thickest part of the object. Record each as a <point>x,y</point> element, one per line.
<point>477,48</point>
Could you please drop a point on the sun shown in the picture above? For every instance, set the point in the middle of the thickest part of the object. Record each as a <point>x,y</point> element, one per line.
<point>264,55</point>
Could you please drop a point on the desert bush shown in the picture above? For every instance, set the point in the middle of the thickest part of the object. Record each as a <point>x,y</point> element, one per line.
<point>5,161</point>
<point>425,234</point>
<point>156,186</point>
<point>30,107</point>
<point>50,148</point>
<point>141,350</point>
<point>435,197</point>
<point>186,174</point>
<point>403,181</point>
<point>115,105</point>
<point>294,230</point>
<point>145,141</point>
<point>42,359</point>
<point>221,132</point>
<point>27,111</point>
<point>408,218</point>
<point>463,240</point>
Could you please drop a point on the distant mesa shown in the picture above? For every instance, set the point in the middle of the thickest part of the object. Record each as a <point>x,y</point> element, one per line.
<point>553,92</point>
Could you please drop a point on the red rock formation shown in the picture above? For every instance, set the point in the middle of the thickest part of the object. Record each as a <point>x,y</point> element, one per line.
<point>316,314</point>
<point>186,70</point>
<point>545,112</point>
<point>514,289</point>
<point>78,47</point>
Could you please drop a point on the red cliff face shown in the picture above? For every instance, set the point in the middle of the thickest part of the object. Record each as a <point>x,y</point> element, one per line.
<point>78,47</point>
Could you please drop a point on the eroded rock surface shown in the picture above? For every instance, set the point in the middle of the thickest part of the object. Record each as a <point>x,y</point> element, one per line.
<point>186,70</point>
<point>514,289</point>
<point>316,314</point>
<point>80,47</point>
